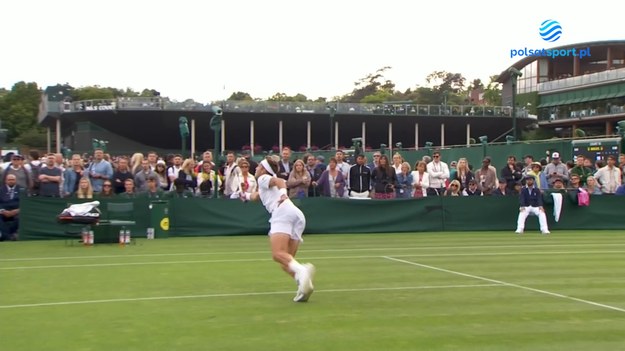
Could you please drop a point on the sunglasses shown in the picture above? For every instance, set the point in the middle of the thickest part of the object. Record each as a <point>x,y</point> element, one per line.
<point>436,156</point>
<point>107,185</point>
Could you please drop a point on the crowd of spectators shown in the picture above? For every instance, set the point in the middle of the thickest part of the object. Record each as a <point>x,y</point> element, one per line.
<point>165,176</point>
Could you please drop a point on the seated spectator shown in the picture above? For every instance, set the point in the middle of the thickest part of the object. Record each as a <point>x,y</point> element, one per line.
<point>153,191</point>
<point>10,208</point>
<point>404,182</point>
<point>453,189</point>
<point>620,190</point>
<point>558,184</point>
<point>472,189</point>
<point>591,186</point>
<point>180,190</point>
<point>107,190</point>
<point>502,189</point>
<point>298,180</point>
<point>129,189</point>
<point>85,190</point>
<point>463,174</point>
<point>574,181</point>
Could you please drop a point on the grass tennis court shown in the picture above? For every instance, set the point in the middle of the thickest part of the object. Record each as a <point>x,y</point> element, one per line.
<point>426,291</point>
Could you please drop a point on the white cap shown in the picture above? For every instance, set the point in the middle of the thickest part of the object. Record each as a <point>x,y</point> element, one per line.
<point>555,155</point>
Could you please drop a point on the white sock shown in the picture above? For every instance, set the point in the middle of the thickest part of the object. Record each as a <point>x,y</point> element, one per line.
<point>295,267</point>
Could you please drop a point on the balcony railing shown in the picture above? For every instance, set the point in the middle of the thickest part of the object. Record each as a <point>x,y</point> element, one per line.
<point>399,109</point>
<point>583,80</point>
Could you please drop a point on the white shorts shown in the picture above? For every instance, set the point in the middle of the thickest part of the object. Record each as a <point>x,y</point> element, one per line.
<point>289,219</point>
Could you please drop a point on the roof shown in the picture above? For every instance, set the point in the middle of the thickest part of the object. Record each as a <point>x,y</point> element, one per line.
<point>519,65</point>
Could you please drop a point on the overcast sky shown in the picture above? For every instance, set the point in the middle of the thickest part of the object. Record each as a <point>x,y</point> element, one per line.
<point>205,50</point>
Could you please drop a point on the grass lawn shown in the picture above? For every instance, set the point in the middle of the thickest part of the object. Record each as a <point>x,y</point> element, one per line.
<point>422,291</point>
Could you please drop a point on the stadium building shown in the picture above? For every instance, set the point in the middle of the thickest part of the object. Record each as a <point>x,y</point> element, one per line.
<point>573,95</point>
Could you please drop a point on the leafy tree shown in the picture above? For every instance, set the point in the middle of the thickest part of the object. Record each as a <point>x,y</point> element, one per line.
<point>241,96</point>
<point>34,138</point>
<point>19,108</point>
<point>370,85</point>
<point>446,81</point>
<point>492,93</point>
<point>284,97</point>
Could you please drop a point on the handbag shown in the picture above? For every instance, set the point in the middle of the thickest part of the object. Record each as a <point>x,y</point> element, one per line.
<point>583,199</point>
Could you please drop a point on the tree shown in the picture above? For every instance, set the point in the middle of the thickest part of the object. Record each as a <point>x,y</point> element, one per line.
<point>240,96</point>
<point>446,81</point>
<point>370,85</point>
<point>19,109</point>
<point>492,93</point>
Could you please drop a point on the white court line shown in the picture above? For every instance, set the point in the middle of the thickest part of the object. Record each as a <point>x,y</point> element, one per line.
<point>180,297</point>
<point>116,264</point>
<point>507,284</point>
<point>312,251</point>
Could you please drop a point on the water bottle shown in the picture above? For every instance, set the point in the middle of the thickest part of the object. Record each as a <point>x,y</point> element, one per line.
<point>122,237</point>
<point>85,235</point>
<point>127,236</point>
<point>150,233</point>
<point>91,237</point>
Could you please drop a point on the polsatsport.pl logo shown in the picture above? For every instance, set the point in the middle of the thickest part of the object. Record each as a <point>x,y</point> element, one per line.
<point>550,30</point>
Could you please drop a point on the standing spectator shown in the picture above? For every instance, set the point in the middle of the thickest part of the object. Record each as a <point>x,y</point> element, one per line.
<point>286,165</point>
<point>188,175</point>
<point>174,170</point>
<point>609,177</point>
<point>556,170</point>
<point>9,208</point>
<point>453,168</point>
<point>439,174</point>
<point>99,170</point>
<point>50,177</point>
<point>161,172</point>
<point>231,175</point>
<point>33,166</point>
<point>341,164</point>
<point>397,162</point>
<point>152,159</point>
<point>299,180</point>
<point>531,203</point>
<point>511,173</point>
<point>207,156</point>
<point>17,168</point>
<point>404,182</point>
<point>73,174</point>
<point>359,180</point>
<point>315,172</point>
<point>135,162</point>
<point>385,180</point>
<point>331,182</point>
<point>206,180</point>
<point>247,181</point>
<point>580,170</point>
<point>247,155</point>
<point>487,177</point>
<point>528,161</point>
<point>121,174</point>
<point>141,178</point>
<point>375,162</point>
<point>463,174</point>
<point>420,179</point>
<point>540,180</point>
<point>621,164</point>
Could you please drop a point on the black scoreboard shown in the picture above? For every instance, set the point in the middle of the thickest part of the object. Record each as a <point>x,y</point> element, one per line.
<point>597,149</point>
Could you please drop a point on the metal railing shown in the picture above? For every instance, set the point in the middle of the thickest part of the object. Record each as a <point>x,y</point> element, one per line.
<point>583,80</point>
<point>157,103</point>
